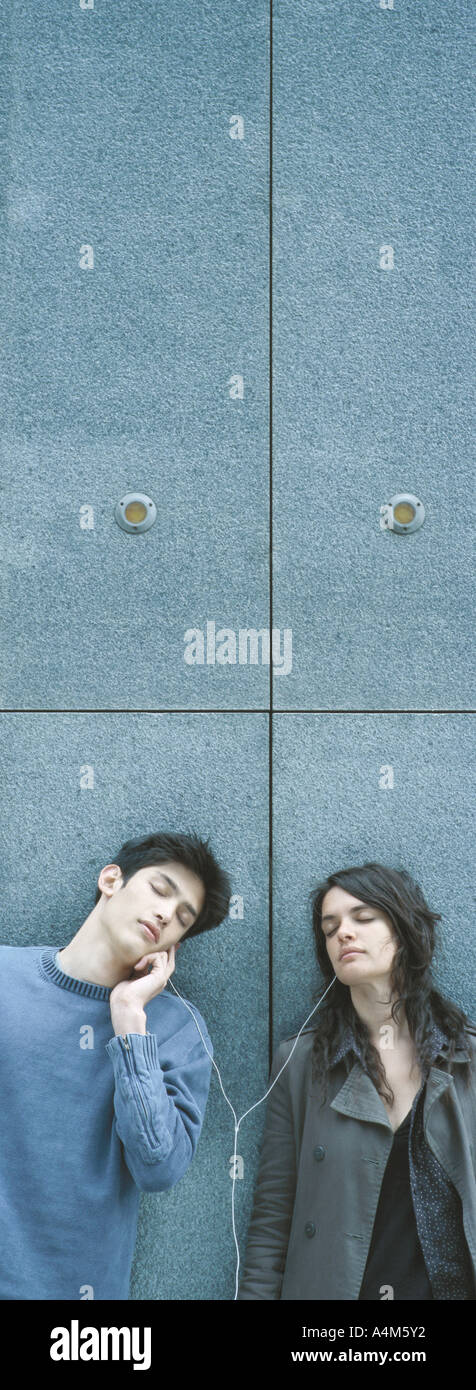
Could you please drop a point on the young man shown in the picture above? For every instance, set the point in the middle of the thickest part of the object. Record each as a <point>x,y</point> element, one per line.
<point>104,1075</point>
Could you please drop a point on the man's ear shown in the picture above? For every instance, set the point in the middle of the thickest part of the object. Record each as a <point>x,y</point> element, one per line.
<point>114,881</point>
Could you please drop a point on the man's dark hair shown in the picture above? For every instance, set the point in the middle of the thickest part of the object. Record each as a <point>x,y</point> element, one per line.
<point>195,855</point>
<point>411,980</point>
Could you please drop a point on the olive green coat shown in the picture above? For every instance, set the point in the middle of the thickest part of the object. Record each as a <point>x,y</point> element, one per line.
<point>321,1171</point>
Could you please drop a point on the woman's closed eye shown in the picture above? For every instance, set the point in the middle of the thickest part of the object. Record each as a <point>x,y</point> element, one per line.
<point>358,919</point>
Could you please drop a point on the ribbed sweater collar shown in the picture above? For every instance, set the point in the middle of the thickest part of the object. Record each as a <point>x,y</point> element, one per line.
<point>51,971</point>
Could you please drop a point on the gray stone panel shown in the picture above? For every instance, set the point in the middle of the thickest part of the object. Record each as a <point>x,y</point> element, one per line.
<point>330,813</point>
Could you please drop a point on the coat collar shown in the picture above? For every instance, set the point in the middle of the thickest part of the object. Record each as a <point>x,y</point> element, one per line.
<point>439,1041</point>
<point>358,1097</point>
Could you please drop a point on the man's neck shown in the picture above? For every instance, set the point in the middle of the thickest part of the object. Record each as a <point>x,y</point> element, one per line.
<point>90,956</point>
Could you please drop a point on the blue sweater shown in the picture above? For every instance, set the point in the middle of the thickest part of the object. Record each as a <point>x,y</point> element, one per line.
<point>89,1120</point>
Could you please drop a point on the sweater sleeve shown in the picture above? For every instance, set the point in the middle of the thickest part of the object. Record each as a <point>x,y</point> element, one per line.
<point>159,1106</point>
<point>270,1224</point>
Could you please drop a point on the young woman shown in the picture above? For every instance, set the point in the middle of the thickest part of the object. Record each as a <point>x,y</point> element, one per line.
<point>366,1187</point>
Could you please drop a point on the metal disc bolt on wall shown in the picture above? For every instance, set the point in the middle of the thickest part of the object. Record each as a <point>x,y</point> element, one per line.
<point>135,513</point>
<point>403,513</point>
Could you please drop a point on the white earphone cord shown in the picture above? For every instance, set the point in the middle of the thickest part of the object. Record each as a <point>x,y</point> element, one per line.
<point>237,1123</point>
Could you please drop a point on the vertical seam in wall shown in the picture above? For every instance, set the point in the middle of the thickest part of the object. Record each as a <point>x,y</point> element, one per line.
<point>270,724</point>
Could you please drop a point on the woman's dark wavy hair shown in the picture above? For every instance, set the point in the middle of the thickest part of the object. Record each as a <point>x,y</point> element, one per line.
<point>394,891</point>
<point>194,854</point>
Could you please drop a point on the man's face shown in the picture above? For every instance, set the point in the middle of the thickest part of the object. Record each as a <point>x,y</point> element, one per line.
<point>350,925</point>
<point>153,910</point>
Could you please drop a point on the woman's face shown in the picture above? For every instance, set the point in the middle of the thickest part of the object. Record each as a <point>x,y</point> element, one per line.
<point>361,940</point>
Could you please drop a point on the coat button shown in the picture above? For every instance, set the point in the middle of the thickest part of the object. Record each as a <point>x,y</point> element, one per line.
<point>319,1152</point>
<point>310,1229</point>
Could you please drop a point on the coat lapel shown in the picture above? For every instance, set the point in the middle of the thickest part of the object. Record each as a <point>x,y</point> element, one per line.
<point>358,1098</point>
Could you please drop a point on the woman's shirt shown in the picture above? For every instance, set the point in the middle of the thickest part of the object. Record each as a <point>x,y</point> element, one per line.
<point>395,1266</point>
<point>418,1246</point>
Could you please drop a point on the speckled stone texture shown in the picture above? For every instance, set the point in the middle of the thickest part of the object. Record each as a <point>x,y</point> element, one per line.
<point>117,378</point>
<point>373,366</point>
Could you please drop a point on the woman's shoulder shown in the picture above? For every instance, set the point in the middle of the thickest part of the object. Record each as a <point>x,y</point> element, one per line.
<point>470,1041</point>
<point>465,1048</point>
<point>296,1049</point>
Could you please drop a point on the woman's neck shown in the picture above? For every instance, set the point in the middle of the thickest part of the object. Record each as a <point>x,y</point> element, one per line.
<point>373,1005</point>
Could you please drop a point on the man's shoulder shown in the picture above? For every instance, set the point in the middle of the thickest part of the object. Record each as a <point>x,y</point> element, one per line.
<point>19,952</point>
<point>179,1015</point>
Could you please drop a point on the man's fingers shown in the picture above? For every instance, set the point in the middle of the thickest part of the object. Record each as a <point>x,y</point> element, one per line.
<point>155,961</point>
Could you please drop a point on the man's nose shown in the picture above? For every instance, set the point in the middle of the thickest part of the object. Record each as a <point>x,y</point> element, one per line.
<point>165,914</point>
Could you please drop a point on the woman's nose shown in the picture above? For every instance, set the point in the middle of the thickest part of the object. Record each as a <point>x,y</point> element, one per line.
<point>346,930</point>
